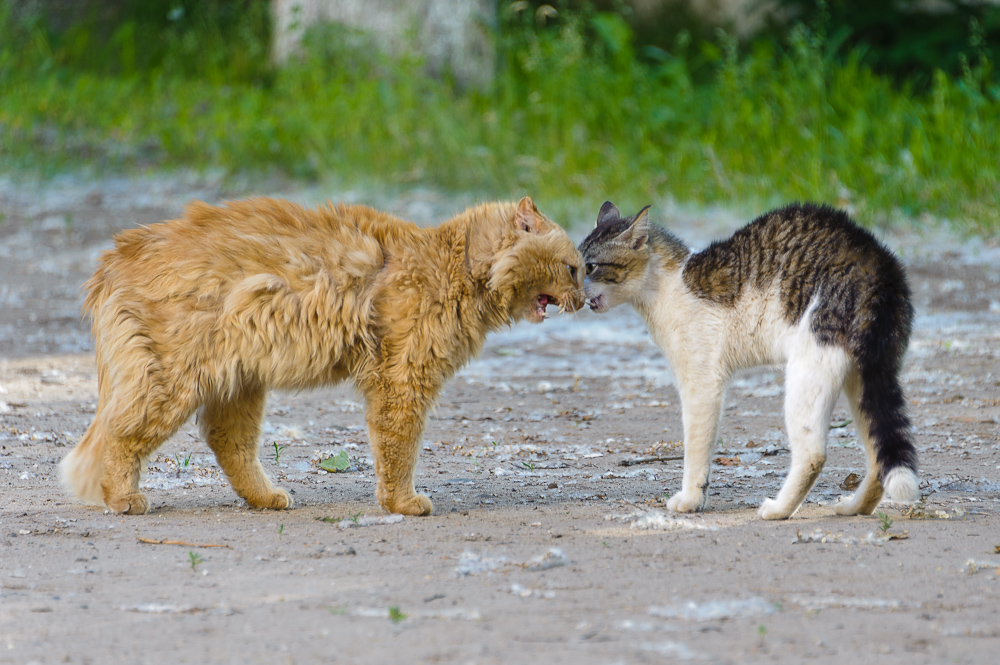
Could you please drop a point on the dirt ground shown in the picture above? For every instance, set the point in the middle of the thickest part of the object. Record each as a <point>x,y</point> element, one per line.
<point>544,547</point>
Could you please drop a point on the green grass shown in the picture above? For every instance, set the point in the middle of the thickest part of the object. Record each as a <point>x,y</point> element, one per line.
<point>194,559</point>
<point>573,115</point>
<point>885,522</point>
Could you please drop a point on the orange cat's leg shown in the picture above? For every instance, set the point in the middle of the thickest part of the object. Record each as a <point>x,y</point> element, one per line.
<point>123,460</point>
<point>396,427</point>
<point>232,428</point>
<point>133,433</point>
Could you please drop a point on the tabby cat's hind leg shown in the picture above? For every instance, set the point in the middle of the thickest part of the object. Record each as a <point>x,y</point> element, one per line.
<point>232,428</point>
<point>813,380</point>
<point>869,493</point>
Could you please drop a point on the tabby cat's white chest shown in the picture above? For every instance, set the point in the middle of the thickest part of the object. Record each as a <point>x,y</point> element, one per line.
<point>697,335</point>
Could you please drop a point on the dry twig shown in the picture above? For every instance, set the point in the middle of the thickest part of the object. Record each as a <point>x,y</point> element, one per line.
<point>650,460</point>
<point>180,542</point>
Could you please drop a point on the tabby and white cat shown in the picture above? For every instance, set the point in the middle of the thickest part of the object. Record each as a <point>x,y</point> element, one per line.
<point>802,286</point>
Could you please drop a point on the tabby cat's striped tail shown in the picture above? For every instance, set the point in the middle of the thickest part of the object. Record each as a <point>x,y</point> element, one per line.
<point>889,431</point>
<point>879,350</point>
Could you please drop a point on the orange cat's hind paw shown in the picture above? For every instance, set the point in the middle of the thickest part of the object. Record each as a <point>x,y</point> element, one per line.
<point>130,504</point>
<point>279,499</point>
<point>418,505</point>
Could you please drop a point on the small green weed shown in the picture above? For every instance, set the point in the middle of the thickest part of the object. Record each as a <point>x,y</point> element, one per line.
<point>194,559</point>
<point>395,615</point>
<point>281,529</point>
<point>762,630</point>
<point>884,522</point>
<point>356,517</point>
<point>529,465</point>
<point>277,451</point>
<point>330,520</point>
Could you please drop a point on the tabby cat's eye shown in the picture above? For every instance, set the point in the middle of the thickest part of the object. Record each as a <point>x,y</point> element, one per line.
<point>590,268</point>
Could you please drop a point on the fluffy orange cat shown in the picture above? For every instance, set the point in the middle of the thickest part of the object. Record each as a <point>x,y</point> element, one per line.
<point>212,310</point>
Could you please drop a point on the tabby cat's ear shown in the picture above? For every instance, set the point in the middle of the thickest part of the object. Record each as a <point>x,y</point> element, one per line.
<point>527,216</point>
<point>637,233</point>
<point>608,211</point>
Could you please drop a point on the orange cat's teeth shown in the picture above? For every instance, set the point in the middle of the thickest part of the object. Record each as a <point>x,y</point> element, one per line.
<point>543,301</point>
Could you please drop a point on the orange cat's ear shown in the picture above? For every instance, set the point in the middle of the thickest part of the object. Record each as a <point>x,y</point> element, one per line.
<point>527,216</point>
<point>638,231</point>
<point>608,212</point>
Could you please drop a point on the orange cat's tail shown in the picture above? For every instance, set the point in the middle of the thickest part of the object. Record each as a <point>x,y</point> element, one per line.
<point>82,469</point>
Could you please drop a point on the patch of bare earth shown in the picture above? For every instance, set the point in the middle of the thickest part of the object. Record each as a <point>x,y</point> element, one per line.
<point>544,547</point>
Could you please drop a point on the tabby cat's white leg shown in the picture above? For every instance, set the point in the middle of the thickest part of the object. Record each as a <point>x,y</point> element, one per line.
<point>813,379</point>
<point>869,493</point>
<point>701,407</point>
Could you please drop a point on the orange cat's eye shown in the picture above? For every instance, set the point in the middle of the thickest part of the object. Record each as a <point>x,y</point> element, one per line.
<point>572,271</point>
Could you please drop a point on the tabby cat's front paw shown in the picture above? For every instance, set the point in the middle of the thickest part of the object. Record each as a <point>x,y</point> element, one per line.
<point>686,502</point>
<point>417,504</point>
<point>771,510</point>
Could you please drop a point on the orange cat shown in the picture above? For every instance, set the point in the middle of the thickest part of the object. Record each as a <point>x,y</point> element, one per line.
<point>212,310</point>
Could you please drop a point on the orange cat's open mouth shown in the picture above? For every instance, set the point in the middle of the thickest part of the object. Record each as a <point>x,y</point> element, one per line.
<point>543,301</point>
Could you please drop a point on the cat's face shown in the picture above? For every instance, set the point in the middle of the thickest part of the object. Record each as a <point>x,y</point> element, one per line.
<point>542,268</point>
<point>615,256</point>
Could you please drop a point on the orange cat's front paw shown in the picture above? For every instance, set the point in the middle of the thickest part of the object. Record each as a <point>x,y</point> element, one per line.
<point>130,504</point>
<point>417,504</point>
<point>276,500</point>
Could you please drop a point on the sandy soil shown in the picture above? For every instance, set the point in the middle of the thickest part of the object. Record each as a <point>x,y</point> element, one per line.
<point>545,548</point>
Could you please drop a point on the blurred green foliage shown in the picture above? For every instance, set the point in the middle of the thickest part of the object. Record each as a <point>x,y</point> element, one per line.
<point>215,40</point>
<point>574,113</point>
<point>907,39</point>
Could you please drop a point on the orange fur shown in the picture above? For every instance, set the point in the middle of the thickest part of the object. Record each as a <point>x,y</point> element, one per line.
<point>212,310</point>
